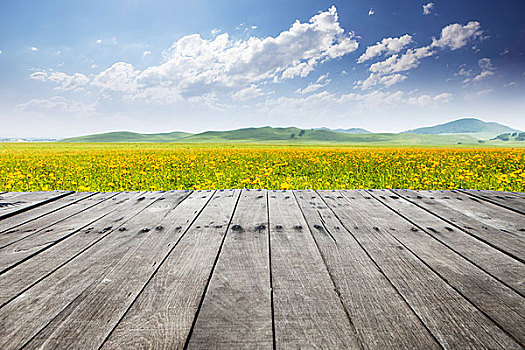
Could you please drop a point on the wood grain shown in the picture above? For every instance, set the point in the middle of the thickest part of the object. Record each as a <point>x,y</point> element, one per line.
<point>447,314</point>
<point>13,203</point>
<point>162,315</point>
<point>382,318</point>
<point>236,310</point>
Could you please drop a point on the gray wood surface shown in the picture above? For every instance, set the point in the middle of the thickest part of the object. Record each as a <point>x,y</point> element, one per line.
<point>10,224</point>
<point>442,309</point>
<point>236,312</point>
<point>162,315</point>
<point>13,203</point>
<point>500,303</point>
<point>85,323</point>
<point>307,309</point>
<point>499,265</point>
<point>490,214</point>
<point>17,252</point>
<point>382,318</point>
<point>25,316</point>
<point>38,227</point>
<point>371,269</point>
<point>18,279</point>
<point>504,241</point>
<point>509,200</point>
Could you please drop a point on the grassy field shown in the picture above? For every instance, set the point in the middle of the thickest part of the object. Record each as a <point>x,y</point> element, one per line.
<point>125,167</point>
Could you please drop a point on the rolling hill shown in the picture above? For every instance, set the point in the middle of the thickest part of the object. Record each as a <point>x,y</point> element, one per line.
<point>461,131</point>
<point>478,128</point>
<point>126,136</point>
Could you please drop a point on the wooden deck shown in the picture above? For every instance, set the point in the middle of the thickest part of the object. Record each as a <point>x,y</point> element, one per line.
<point>251,269</point>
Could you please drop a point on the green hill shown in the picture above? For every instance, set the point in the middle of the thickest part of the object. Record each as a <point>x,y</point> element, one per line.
<point>348,131</point>
<point>126,136</point>
<point>476,127</point>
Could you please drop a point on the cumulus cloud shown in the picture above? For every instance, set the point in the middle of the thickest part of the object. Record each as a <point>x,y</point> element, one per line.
<point>251,92</point>
<point>455,36</point>
<point>33,48</point>
<point>387,45</point>
<point>119,77</point>
<point>321,82</point>
<point>195,66</point>
<point>388,72</point>
<point>487,70</point>
<point>53,104</point>
<point>76,81</point>
<point>428,8</point>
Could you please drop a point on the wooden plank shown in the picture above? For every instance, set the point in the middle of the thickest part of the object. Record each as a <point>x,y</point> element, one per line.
<point>507,243</point>
<point>307,310</point>
<point>236,311</point>
<point>20,278</point>
<point>452,319</point>
<point>499,302</point>
<point>13,203</point>
<point>86,322</point>
<point>9,225</point>
<point>90,210</point>
<point>490,214</point>
<point>23,317</point>
<point>162,315</point>
<point>382,318</point>
<point>37,226</point>
<point>499,265</point>
<point>507,200</point>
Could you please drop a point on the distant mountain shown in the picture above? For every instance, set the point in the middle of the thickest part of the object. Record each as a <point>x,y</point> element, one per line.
<point>126,136</point>
<point>348,131</point>
<point>475,126</point>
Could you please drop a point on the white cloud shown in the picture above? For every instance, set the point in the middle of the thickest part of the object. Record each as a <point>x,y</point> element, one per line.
<point>405,62</point>
<point>371,12</point>
<point>387,72</point>
<point>1,52</point>
<point>485,64</point>
<point>428,100</point>
<point>196,66</point>
<point>487,70</point>
<point>53,104</point>
<point>107,41</point>
<point>428,8</point>
<point>482,76</point>
<point>504,52</point>
<point>254,27</point>
<point>455,36</point>
<point>321,82</point>
<point>33,48</point>
<point>119,77</point>
<point>387,45</point>
<point>76,81</point>
<point>248,93</point>
<point>512,83</point>
<point>215,31</point>
<point>146,53</point>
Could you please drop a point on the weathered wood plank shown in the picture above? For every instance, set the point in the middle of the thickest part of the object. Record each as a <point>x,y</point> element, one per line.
<point>382,318</point>
<point>499,302</point>
<point>89,210</point>
<point>8,226</point>
<point>20,278</point>
<point>503,267</point>
<point>236,312</point>
<point>307,309</point>
<point>25,316</point>
<point>507,243</point>
<point>13,203</point>
<point>452,319</point>
<point>162,315</point>
<point>490,214</point>
<point>507,200</point>
<point>85,323</point>
<point>39,226</point>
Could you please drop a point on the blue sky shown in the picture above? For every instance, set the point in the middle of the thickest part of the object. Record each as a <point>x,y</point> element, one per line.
<point>71,68</point>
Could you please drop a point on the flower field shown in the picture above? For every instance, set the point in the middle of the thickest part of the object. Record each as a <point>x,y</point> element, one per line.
<point>133,167</point>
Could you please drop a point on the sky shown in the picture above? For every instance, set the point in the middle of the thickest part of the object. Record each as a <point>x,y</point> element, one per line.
<point>70,68</point>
